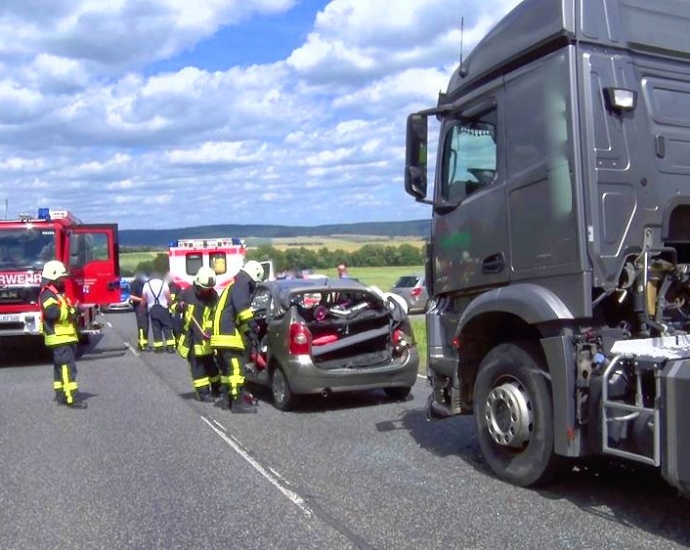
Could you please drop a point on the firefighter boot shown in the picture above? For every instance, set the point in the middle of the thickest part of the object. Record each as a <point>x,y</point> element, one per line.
<point>75,401</point>
<point>224,398</point>
<point>244,403</point>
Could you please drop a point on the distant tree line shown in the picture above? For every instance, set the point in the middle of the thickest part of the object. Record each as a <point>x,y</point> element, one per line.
<point>369,255</point>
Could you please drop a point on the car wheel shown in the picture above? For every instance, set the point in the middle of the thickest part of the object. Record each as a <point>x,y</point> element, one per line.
<point>397,393</point>
<point>514,417</point>
<point>283,398</point>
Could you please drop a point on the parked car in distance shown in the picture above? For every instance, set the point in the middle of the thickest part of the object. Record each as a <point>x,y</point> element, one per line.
<point>124,304</point>
<point>322,336</point>
<point>413,289</point>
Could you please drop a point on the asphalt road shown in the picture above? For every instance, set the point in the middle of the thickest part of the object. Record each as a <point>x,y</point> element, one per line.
<point>145,466</point>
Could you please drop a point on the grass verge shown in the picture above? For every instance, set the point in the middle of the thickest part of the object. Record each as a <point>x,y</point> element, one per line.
<point>419,329</point>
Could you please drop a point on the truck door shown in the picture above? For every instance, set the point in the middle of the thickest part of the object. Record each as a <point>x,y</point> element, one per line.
<point>469,231</point>
<point>93,263</point>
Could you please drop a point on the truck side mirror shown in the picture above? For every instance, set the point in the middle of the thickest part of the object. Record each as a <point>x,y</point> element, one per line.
<point>415,156</point>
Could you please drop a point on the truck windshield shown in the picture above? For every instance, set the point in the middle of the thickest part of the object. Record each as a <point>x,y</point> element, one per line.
<point>26,248</point>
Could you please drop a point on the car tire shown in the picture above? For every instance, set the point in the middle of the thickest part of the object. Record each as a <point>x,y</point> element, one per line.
<point>514,415</point>
<point>283,398</point>
<point>398,393</point>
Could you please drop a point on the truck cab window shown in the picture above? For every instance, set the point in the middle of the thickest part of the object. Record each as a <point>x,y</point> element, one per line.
<point>469,157</point>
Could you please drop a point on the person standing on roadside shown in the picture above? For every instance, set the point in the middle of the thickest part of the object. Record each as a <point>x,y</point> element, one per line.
<point>60,317</point>
<point>233,323</point>
<point>175,313</point>
<point>342,271</point>
<point>157,297</point>
<point>196,304</point>
<point>141,312</point>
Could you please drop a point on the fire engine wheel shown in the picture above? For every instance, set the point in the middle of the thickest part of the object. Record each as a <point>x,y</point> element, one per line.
<point>513,413</point>
<point>283,398</point>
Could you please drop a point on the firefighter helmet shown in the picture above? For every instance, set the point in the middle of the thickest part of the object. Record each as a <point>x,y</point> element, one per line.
<point>205,277</point>
<point>254,269</point>
<point>54,270</point>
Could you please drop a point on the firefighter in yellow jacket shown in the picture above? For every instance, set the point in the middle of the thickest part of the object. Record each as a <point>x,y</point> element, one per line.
<point>60,332</point>
<point>233,323</point>
<point>195,305</point>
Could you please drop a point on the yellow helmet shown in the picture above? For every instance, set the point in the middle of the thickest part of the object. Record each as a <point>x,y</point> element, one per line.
<point>54,270</point>
<point>205,277</point>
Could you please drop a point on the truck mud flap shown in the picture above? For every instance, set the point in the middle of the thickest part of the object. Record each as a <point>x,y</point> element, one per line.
<point>675,464</point>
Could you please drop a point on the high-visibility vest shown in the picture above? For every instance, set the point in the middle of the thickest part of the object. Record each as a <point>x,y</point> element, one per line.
<point>226,322</point>
<point>64,330</point>
<point>202,347</point>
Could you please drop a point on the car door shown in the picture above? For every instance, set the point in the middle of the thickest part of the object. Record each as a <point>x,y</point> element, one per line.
<point>470,230</point>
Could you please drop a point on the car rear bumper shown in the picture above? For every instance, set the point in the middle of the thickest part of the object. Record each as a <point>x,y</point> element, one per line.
<point>121,306</point>
<point>306,378</point>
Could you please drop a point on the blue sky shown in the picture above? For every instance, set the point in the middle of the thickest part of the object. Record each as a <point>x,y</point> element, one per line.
<point>170,113</point>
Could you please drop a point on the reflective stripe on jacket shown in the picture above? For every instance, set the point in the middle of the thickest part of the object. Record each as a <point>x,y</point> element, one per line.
<point>233,313</point>
<point>199,309</point>
<point>59,318</point>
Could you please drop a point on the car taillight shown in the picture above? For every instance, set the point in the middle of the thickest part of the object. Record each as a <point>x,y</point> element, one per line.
<point>416,291</point>
<point>400,339</point>
<point>300,340</point>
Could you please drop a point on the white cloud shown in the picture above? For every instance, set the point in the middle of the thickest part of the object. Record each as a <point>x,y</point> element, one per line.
<point>88,122</point>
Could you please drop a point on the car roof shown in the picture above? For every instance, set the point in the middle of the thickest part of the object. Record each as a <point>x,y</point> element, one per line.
<point>310,285</point>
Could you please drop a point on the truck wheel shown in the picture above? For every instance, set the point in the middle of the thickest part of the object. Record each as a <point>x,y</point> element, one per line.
<point>283,398</point>
<point>514,417</point>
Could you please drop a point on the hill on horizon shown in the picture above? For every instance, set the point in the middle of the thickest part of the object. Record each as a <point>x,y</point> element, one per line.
<point>163,237</point>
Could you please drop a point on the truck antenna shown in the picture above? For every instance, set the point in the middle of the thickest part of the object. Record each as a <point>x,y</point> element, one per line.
<point>462,32</point>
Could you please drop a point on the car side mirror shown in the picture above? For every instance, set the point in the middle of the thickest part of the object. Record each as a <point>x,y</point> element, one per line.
<point>416,156</point>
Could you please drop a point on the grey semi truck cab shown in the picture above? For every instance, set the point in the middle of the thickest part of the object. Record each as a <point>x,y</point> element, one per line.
<point>558,268</point>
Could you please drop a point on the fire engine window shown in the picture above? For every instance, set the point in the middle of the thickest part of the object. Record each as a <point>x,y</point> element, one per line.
<point>26,248</point>
<point>469,158</point>
<point>193,263</point>
<point>88,247</point>
<point>218,262</point>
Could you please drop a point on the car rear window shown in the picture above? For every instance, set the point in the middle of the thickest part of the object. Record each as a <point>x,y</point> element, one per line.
<point>407,281</point>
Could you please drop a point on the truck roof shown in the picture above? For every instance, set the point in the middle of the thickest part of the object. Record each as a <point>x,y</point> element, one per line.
<point>535,27</point>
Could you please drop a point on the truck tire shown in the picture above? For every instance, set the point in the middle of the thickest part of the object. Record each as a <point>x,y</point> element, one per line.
<point>514,417</point>
<point>283,398</point>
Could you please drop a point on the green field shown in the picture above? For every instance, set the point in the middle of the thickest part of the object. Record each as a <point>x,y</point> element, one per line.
<point>130,260</point>
<point>382,277</point>
<point>348,243</point>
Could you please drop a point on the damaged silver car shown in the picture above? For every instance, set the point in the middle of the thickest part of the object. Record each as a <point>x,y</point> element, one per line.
<point>321,336</point>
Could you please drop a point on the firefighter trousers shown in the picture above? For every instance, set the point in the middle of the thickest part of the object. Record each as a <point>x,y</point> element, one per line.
<point>142,315</point>
<point>65,372</point>
<point>205,374</point>
<point>232,365</point>
<point>161,326</point>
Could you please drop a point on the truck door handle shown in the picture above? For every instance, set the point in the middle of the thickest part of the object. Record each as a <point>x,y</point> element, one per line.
<point>493,264</point>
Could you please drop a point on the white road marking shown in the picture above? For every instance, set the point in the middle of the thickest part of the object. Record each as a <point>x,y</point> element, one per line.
<point>273,479</point>
<point>130,348</point>
<point>109,324</point>
<point>422,376</point>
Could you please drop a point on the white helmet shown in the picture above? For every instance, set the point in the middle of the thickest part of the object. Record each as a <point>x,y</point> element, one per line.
<point>254,269</point>
<point>54,270</point>
<point>205,277</point>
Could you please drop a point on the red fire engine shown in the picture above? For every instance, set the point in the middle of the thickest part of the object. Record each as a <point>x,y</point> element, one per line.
<point>90,253</point>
